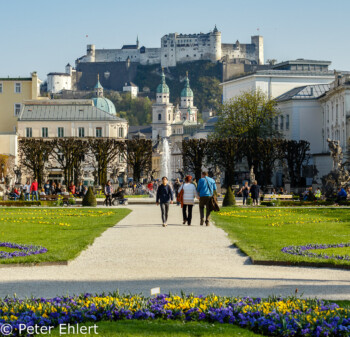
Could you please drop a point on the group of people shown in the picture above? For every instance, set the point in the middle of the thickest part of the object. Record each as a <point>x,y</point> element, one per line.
<point>32,192</point>
<point>110,194</point>
<point>186,195</point>
<point>253,190</point>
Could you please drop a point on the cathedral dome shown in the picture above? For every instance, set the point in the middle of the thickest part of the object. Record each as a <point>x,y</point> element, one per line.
<point>104,104</point>
<point>163,87</point>
<point>187,91</point>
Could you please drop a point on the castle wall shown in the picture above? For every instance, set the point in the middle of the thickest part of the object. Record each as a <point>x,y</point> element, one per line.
<point>181,48</point>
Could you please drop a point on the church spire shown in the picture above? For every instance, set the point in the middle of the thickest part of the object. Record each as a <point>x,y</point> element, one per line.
<point>137,41</point>
<point>187,91</point>
<point>98,87</point>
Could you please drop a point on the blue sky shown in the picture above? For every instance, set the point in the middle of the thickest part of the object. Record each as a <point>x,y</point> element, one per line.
<point>45,36</point>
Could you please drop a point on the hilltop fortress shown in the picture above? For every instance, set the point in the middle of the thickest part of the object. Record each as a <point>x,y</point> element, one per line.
<point>180,48</point>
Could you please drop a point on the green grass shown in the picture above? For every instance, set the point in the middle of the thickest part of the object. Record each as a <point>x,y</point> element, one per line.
<point>43,226</point>
<point>163,328</point>
<point>261,233</point>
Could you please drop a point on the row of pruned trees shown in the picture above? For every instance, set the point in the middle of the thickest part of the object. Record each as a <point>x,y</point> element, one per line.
<point>75,155</point>
<point>263,154</point>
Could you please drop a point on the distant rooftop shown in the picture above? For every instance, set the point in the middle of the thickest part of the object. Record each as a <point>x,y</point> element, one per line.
<point>303,65</point>
<point>66,113</point>
<point>305,92</point>
<point>59,74</point>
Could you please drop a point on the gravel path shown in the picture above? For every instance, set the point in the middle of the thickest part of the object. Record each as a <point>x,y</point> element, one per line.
<point>138,254</point>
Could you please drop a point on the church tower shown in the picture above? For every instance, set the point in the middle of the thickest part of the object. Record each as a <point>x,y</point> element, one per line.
<point>98,89</point>
<point>162,111</point>
<point>188,110</point>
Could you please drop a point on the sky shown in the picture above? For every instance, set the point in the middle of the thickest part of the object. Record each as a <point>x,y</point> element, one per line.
<point>44,36</point>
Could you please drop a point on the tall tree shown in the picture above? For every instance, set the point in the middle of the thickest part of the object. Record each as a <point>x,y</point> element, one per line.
<point>34,156</point>
<point>69,155</point>
<point>194,152</point>
<point>224,154</point>
<point>105,152</point>
<point>138,156</point>
<point>296,154</point>
<point>248,115</point>
<point>270,151</point>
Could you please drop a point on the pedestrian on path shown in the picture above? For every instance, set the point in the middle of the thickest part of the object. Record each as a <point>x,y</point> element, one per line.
<point>108,193</point>
<point>26,191</point>
<point>189,195</point>
<point>177,186</point>
<point>164,197</point>
<point>245,192</point>
<point>255,193</point>
<point>206,187</point>
<point>34,190</point>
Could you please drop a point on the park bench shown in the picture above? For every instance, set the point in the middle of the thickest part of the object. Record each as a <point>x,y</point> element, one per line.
<point>268,197</point>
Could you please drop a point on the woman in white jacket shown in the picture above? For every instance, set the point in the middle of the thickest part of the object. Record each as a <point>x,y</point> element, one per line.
<point>189,195</point>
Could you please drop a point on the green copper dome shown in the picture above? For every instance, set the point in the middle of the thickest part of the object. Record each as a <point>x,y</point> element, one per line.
<point>163,87</point>
<point>104,104</point>
<point>187,91</point>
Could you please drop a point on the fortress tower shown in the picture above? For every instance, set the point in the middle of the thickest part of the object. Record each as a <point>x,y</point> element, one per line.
<point>215,45</point>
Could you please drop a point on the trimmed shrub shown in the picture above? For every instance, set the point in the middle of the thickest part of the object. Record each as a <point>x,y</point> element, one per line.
<point>229,199</point>
<point>89,198</point>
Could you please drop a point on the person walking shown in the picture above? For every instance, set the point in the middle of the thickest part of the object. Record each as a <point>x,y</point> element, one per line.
<point>26,191</point>
<point>164,197</point>
<point>245,192</point>
<point>108,193</point>
<point>255,192</point>
<point>189,195</point>
<point>206,187</point>
<point>34,190</point>
<point>177,186</point>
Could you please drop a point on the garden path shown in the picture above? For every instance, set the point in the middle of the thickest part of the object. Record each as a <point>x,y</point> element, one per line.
<point>138,254</point>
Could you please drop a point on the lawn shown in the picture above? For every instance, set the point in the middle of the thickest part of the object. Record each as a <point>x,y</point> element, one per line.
<point>261,232</point>
<point>64,232</point>
<point>163,328</point>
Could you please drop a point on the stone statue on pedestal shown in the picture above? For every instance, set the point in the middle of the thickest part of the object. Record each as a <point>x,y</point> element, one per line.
<point>252,175</point>
<point>336,153</point>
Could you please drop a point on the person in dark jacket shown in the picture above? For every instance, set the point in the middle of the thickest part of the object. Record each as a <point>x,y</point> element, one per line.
<point>255,192</point>
<point>164,197</point>
<point>177,186</point>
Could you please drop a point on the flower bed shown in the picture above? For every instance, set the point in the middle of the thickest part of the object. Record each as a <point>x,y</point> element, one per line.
<point>24,250</point>
<point>274,316</point>
<point>305,251</point>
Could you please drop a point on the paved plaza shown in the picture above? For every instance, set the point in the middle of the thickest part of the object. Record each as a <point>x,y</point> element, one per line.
<point>138,254</point>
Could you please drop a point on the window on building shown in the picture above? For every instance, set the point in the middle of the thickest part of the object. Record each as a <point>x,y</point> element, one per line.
<point>17,109</point>
<point>159,117</point>
<point>60,132</point>
<point>276,123</point>
<point>121,132</point>
<point>281,122</point>
<point>287,122</point>
<point>0,88</point>
<point>44,132</point>
<point>29,132</point>
<point>18,88</point>
<point>81,132</point>
<point>98,132</point>
<point>169,117</point>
